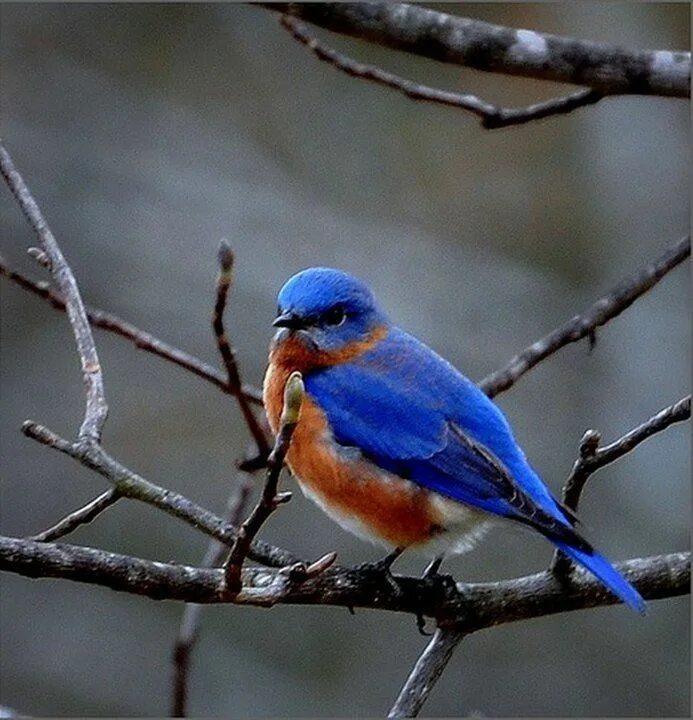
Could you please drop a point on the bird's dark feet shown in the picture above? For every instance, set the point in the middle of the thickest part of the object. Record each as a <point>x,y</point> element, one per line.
<point>438,581</point>
<point>382,566</point>
<point>379,570</point>
<point>438,585</point>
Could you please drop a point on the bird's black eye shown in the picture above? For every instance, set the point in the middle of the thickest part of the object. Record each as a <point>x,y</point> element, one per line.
<point>334,316</point>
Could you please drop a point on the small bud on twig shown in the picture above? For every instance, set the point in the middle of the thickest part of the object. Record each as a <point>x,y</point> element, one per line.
<point>225,257</point>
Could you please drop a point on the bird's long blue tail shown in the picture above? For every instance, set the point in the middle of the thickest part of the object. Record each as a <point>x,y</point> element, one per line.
<point>601,568</point>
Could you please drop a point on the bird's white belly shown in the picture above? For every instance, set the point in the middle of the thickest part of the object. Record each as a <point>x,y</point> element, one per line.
<point>461,526</point>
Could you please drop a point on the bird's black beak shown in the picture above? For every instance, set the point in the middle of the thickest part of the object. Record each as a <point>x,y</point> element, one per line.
<point>289,320</point>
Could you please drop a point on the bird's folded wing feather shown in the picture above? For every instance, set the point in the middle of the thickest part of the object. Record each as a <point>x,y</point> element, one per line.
<point>411,413</point>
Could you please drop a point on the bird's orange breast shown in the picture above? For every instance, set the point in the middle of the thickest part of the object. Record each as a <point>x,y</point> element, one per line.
<point>352,490</point>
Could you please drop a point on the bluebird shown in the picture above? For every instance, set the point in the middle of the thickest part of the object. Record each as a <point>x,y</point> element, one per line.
<point>394,443</point>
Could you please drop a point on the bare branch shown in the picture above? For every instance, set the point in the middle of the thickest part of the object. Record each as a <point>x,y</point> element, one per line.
<point>492,116</point>
<point>661,421</point>
<point>141,339</point>
<point>426,673</point>
<point>471,606</point>
<point>493,48</point>
<point>96,409</point>
<point>269,500</point>
<point>591,458</point>
<point>81,516</point>
<point>606,308</point>
<point>131,485</point>
<point>228,356</point>
<point>190,622</point>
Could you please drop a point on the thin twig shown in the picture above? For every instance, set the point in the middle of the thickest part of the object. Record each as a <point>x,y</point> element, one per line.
<point>580,326</point>
<point>82,516</point>
<point>492,116</point>
<point>592,458</point>
<point>140,338</point>
<point>190,622</point>
<point>96,409</point>
<point>426,673</point>
<point>269,500</point>
<point>472,606</point>
<point>228,356</point>
<point>131,485</point>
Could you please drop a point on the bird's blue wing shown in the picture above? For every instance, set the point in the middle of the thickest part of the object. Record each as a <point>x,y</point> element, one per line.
<point>410,412</point>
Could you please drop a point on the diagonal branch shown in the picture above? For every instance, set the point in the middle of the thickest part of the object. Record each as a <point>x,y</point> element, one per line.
<point>96,410</point>
<point>601,312</point>
<point>140,338</point>
<point>131,485</point>
<point>493,48</point>
<point>492,116</point>
<point>269,500</point>
<point>81,516</point>
<point>426,673</point>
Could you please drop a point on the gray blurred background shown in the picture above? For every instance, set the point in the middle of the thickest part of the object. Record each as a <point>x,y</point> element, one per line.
<point>148,132</point>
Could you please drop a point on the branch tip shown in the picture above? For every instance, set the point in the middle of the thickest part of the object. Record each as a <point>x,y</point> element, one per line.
<point>225,257</point>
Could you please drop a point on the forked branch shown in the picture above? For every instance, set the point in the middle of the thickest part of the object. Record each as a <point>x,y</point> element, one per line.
<point>491,116</point>
<point>484,46</point>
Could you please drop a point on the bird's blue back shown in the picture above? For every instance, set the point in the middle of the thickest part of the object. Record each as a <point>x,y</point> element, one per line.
<point>398,403</point>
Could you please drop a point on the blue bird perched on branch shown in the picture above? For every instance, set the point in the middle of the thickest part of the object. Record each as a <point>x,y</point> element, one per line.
<point>394,443</point>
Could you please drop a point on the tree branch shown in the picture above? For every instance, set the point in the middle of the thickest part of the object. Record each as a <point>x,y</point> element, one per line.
<point>492,116</point>
<point>269,500</point>
<point>140,338</point>
<point>228,356</point>
<point>131,485</point>
<point>81,516</point>
<point>592,457</point>
<point>472,606</point>
<point>190,622</point>
<point>426,673</point>
<point>493,48</point>
<point>601,312</point>
<point>96,409</point>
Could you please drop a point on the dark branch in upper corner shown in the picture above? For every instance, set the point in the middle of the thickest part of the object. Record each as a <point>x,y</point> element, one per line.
<point>140,338</point>
<point>483,46</point>
<point>606,308</point>
<point>492,116</point>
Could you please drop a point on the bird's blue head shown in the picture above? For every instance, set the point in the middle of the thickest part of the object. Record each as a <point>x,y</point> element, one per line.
<point>327,310</point>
